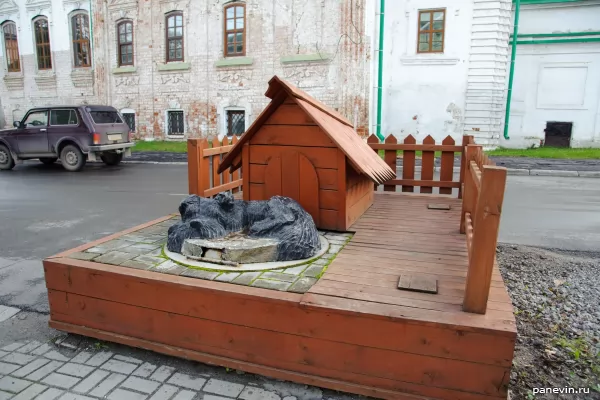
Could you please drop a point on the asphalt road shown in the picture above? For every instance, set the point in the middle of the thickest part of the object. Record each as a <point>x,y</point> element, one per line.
<point>45,210</point>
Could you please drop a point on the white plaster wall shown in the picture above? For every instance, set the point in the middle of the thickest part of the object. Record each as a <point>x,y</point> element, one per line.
<point>424,94</point>
<point>556,82</point>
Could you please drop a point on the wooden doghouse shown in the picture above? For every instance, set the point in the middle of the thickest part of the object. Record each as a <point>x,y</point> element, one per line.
<point>302,149</point>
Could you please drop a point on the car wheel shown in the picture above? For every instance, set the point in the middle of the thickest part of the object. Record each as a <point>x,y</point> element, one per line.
<point>6,159</point>
<point>48,160</point>
<point>71,158</point>
<point>111,158</point>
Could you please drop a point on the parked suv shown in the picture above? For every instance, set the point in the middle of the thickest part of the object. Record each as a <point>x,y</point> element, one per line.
<point>74,134</point>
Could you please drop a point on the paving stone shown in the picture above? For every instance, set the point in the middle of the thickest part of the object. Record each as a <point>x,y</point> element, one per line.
<point>246,278</point>
<point>45,370</point>
<point>137,264</point>
<point>162,373</point>
<point>6,368</point>
<point>29,368</point>
<point>34,344</point>
<point>185,395</point>
<point>169,267</point>
<point>114,257</point>
<point>253,393</point>
<point>119,366</point>
<point>321,261</point>
<point>121,394</point>
<point>334,249</point>
<point>157,253</point>
<point>140,385</point>
<point>339,242</point>
<point>144,246</point>
<point>50,394</point>
<point>227,276</point>
<point>107,385</point>
<point>30,392</point>
<point>99,358</point>
<point>60,380</point>
<point>5,395</point>
<point>80,255</point>
<point>164,393</point>
<point>76,370</point>
<point>275,285</point>
<point>3,353</point>
<point>145,370</point>
<point>313,271</point>
<point>135,251</point>
<point>296,270</point>
<point>7,312</point>
<point>279,276</point>
<point>13,385</point>
<point>335,236</point>
<point>55,355</point>
<point>187,381</point>
<point>73,396</point>
<point>224,388</point>
<point>81,357</point>
<point>17,358</point>
<point>303,284</point>
<point>13,346</point>
<point>43,349</point>
<point>213,397</point>
<point>149,259</point>
<point>110,245</point>
<point>201,274</point>
<point>88,383</point>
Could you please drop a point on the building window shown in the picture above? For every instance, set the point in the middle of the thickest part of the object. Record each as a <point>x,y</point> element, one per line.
<point>42,43</point>
<point>125,39</point>
<point>431,31</point>
<point>129,120</point>
<point>236,122</point>
<point>175,37</point>
<point>11,47</point>
<point>175,123</point>
<point>235,30</point>
<point>80,25</point>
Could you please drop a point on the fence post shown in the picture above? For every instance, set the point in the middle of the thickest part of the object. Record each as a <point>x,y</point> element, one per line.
<point>466,140</point>
<point>470,192</point>
<point>390,157</point>
<point>204,171</point>
<point>192,155</point>
<point>485,235</point>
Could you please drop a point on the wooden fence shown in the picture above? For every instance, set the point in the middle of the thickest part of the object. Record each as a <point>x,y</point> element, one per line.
<point>204,158</point>
<point>408,152</point>
<point>484,185</point>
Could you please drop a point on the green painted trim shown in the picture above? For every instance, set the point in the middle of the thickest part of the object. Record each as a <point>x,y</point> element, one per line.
<point>234,61</point>
<point>511,75</point>
<point>553,41</point>
<point>123,70</point>
<point>548,1</point>
<point>566,34</point>
<point>175,66</point>
<point>380,69</point>
<point>296,58</point>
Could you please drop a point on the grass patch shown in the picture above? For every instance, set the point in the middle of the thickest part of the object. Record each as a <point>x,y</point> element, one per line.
<point>169,147</point>
<point>549,152</point>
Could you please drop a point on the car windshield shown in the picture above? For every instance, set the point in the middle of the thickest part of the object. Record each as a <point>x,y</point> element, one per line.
<point>106,117</point>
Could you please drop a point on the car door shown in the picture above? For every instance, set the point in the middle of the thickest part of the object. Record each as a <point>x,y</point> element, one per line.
<point>32,137</point>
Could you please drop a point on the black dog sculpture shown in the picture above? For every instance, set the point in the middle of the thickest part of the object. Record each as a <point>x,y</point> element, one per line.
<point>279,218</point>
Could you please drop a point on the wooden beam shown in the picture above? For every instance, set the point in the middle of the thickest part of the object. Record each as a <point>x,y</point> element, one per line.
<point>416,147</point>
<point>222,188</point>
<point>417,182</point>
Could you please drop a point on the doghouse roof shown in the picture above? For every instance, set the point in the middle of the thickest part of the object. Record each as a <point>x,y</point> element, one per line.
<point>338,128</point>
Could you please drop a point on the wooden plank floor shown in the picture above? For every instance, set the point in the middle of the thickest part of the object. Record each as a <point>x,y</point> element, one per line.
<point>399,234</point>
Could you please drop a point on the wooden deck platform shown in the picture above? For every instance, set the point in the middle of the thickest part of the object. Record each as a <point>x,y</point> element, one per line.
<point>353,331</point>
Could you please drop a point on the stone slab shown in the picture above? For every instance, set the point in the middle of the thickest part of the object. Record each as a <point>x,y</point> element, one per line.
<point>223,388</point>
<point>13,385</point>
<point>418,283</point>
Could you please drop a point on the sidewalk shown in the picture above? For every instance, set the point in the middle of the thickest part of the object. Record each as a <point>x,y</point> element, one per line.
<point>589,168</point>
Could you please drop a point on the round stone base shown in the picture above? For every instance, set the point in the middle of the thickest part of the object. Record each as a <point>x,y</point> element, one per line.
<point>264,266</point>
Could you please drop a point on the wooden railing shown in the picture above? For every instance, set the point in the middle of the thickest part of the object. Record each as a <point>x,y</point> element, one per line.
<point>484,185</point>
<point>204,158</point>
<point>408,153</point>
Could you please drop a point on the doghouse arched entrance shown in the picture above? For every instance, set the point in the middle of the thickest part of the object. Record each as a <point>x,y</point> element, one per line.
<point>291,174</point>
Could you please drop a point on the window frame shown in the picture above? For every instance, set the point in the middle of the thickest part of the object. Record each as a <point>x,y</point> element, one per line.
<point>177,134</point>
<point>120,45</point>
<point>125,120</point>
<point>229,122</point>
<point>81,42</point>
<point>11,50</point>
<point>431,31</point>
<point>34,112</point>
<point>47,44</point>
<point>234,31</point>
<point>174,14</point>
<point>50,111</point>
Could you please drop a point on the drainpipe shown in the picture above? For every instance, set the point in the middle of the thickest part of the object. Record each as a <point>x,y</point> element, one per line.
<point>511,74</point>
<point>380,68</point>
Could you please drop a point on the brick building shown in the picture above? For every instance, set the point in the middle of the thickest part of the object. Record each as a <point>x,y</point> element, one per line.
<point>181,68</point>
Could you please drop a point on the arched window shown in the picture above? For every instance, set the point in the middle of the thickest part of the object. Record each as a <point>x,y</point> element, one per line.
<point>235,30</point>
<point>11,46</point>
<point>80,34</point>
<point>174,36</point>
<point>42,43</point>
<point>125,41</point>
